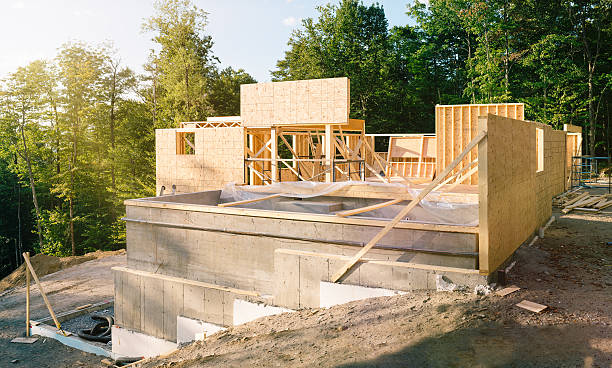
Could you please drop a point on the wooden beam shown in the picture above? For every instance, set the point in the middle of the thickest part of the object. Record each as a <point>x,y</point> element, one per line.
<point>368,208</point>
<point>329,134</point>
<point>26,256</point>
<point>421,153</point>
<point>455,176</point>
<point>408,207</point>
<point>461,179</point>
<point>237,203</point>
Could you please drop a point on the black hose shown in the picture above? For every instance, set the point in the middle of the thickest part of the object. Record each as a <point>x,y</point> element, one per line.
<point>101,331</point>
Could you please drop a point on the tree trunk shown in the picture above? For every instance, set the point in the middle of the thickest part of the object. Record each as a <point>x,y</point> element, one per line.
<point>112,127</point>
<point>32,187</point>
<point>591,113</point>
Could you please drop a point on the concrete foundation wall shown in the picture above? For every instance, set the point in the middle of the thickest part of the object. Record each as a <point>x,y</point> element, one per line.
<point>247,261</point>
<point>150,303</point>
<point>298,276</point>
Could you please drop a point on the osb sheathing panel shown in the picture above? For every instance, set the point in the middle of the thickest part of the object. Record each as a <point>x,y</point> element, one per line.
<point>218,159</point>
<point>295,102</point>
<point>507,188</point>
<point>514,198</point>
<point>456,125</point>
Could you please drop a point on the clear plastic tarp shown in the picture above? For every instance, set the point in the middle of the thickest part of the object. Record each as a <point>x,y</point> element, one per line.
<point>316,197</point>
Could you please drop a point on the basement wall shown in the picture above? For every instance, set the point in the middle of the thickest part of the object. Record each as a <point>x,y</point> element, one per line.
<point>241,253</point>
<point>218,159</point>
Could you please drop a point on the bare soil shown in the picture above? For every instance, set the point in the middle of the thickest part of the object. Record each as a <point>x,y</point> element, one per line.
<point>570,270</point>
<point>85,283</point>
<point>44,265</point>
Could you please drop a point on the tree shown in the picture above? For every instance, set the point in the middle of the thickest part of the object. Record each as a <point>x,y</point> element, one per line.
<point>224,90</point>
<point>80,69</point>
<point>184,61</point>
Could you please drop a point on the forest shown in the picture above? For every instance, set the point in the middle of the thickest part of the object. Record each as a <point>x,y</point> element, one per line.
<point>77,131</point>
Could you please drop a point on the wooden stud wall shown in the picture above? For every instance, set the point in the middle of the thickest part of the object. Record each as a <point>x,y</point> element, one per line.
<point>456,125</point>
<point>413,156</point>
<point>218,159</point>
<point>574,148</point>
<point>317,101</point>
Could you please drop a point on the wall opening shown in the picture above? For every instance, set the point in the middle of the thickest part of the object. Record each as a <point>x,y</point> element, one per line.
<point>540,148</point>
<point>185,143</point>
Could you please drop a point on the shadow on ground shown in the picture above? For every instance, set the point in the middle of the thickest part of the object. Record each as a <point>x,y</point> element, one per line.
<point>499,346</point>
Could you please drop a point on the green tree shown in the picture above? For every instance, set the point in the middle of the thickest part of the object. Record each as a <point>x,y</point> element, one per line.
<point>184,62</point>
<point>224,90</point>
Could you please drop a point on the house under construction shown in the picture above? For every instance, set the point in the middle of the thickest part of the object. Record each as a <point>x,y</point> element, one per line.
<point>288,206</point>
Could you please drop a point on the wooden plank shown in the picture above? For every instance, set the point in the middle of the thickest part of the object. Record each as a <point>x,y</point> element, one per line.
<point>26,257</point>
<point>508,290</point>
<point>237,203</point>
<point>461,179</point>
<point>367,208</point>
<point>24,340</point>
<point>531,306</point>
<point>421,154</point>
<point>408,208</point>
<point>27,298</point>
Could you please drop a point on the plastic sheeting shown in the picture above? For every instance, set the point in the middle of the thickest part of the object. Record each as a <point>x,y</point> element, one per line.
<point>432,209</point>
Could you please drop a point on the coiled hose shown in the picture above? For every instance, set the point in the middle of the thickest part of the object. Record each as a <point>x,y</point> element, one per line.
<point>101,332</point>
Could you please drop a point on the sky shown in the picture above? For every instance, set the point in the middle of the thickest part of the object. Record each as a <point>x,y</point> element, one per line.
<point>247,34</point>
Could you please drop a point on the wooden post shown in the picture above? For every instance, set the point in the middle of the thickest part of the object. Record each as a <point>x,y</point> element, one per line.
<point>329,145</point>
<point>42,292</point>
<point>408,208</point>
<point>27,254</point>
<point>274,154</point>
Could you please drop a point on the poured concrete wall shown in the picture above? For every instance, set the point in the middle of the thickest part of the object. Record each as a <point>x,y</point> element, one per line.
<point>241,253</point>
<point>150,303</point>
<point>298,276</point>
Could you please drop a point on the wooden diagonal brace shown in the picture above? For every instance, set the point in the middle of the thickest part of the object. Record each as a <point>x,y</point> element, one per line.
<point>338,275</point>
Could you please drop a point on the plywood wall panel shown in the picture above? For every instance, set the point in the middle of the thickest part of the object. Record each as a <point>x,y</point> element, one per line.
<point>295,102</point>
<point>456,125</point>
<point>515,199</point>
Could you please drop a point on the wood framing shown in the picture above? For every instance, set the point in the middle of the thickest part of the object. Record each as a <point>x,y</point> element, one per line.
<point>515,199</point>
<point>402,214</point>
<point>456,125</point>
<point>412,156</point>
<point>314,101</point>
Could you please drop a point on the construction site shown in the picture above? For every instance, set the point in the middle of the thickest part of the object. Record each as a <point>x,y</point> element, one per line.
<point>281,216</point>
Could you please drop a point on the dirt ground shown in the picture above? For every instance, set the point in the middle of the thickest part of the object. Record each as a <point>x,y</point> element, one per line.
<point>88,282</point>
<point>44,264</point>
<point>570,270</point>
